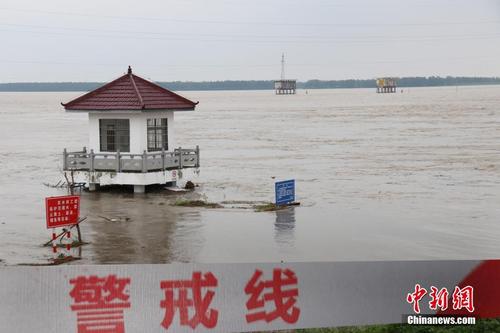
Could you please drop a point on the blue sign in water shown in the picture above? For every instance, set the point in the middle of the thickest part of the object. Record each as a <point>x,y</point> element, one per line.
<point>285,192</point>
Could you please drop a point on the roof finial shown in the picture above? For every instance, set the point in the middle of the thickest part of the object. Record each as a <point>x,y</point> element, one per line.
<point>129,70</point>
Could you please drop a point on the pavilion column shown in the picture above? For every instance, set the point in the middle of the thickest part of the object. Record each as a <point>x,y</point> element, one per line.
<point>139,188</point>
<point>93,187</point>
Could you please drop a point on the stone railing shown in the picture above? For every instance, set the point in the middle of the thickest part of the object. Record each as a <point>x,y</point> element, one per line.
<point>124,162</point>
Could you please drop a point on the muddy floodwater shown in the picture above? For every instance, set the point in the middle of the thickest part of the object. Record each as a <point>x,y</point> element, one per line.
<point>412,175</point>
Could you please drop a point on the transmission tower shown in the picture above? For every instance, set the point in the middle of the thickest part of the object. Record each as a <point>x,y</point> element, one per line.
<point>283,86</point>
<point>283,67</point>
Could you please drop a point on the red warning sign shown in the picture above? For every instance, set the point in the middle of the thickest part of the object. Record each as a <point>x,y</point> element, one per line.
<point>62,211</point>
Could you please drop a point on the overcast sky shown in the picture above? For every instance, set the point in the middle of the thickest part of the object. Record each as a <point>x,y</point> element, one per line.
<point>198,40</point>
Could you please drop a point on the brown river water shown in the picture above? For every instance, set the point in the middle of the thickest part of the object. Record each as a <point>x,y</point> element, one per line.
<point>412,175</point>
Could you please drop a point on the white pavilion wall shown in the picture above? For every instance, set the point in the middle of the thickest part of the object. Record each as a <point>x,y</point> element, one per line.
<point>143,124</point>
<point>138,128</point>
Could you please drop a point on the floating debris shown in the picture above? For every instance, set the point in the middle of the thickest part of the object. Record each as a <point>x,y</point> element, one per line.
<point>115,219</point>
<point>63,184</point>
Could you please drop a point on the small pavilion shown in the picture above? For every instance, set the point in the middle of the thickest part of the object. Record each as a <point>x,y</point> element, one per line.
<point>386,85</point>
<point>131,136</point>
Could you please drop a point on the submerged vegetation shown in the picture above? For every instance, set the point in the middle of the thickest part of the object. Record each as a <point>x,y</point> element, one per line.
<point>271,207</point>
<point>196,203</point>
<point>268,207</point>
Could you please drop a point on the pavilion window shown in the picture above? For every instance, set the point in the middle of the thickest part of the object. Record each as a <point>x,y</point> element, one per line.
<point>114,135</point>
<point>157,134</point>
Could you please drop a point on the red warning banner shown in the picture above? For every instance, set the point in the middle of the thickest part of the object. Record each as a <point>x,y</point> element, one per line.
<point>243,297</point>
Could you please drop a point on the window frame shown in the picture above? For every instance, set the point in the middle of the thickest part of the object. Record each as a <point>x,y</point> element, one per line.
<point>157,134</point>
<point>120,135</point>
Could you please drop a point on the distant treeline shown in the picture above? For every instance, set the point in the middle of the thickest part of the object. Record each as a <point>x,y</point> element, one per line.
<point>431,81</point>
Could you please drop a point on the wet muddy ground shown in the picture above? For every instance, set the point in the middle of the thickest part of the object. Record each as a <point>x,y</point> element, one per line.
<point>413,175</point>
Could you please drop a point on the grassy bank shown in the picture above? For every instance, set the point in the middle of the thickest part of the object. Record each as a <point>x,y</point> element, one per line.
<point>482,326</point>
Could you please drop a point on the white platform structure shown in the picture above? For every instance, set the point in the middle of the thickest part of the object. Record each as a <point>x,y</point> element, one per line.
<point>131,136</point>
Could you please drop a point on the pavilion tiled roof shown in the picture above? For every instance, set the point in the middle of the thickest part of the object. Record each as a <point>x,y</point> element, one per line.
<point>130,92</point>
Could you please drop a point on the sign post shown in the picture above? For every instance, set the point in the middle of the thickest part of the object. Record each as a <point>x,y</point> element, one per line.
<point>284,192</point>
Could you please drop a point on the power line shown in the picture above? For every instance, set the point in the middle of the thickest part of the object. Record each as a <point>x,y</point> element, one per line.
<point>159,19</point>
<point>307,37</point>
<point>353,62</point>
<point>274,41</point>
